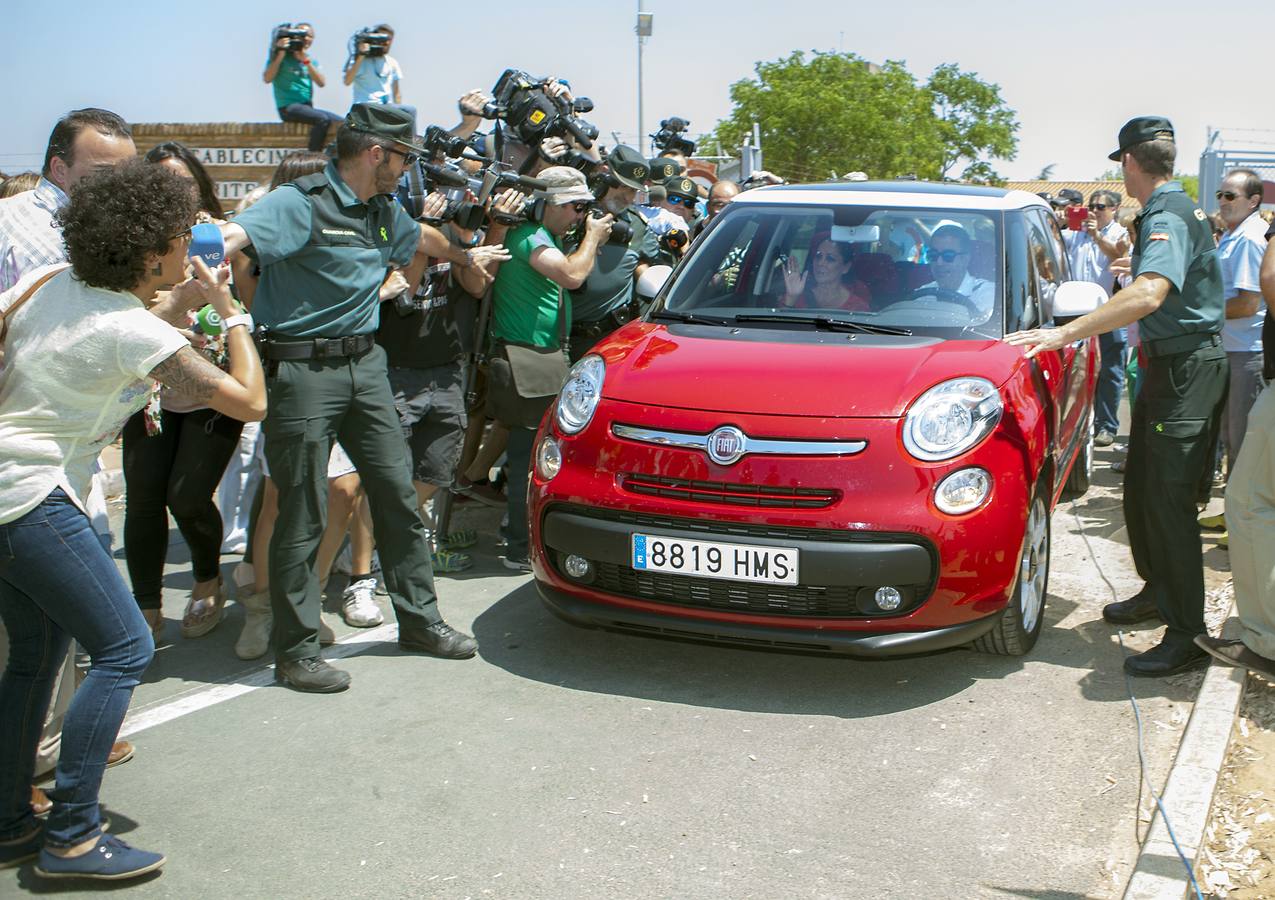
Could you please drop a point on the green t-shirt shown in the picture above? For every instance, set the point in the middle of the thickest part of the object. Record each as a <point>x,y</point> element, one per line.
<point>324,254</point>
<point>610,285</point>
<point>524,307</point>
<point>292,82</point>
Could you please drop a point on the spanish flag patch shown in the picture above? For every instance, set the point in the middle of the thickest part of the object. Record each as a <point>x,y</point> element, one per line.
<point>1158,236</point>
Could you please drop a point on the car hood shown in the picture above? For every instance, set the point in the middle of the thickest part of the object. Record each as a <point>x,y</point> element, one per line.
<point>871,377</point>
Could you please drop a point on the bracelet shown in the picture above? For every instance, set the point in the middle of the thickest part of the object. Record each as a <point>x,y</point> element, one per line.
<point>244,319</point>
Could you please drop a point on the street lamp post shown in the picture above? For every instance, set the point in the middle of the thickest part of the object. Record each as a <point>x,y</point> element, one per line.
<point>643,31</point>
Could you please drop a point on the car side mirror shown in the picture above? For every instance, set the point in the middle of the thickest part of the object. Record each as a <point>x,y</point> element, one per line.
<point>1077,298</point>
<point>652,281</point>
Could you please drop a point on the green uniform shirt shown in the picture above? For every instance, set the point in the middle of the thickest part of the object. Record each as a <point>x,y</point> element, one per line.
<point>1175,242</point>
<point>292,82</point>
<point>524,303</point>
<point>323,255</point>
<point>610,285</point>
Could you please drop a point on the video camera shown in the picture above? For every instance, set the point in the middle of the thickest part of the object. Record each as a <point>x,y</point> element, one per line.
<point>529,115</point>
<point>378,42</point>
<point>670,136</point>
<point>295,35</point>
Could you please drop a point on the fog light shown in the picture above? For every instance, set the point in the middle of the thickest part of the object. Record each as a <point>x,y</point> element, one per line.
<point>548,458</point>
<point>577,567</point>
<point>888,598</point>
<point>963,491</point>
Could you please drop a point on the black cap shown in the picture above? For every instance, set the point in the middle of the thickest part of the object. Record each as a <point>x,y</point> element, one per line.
<point>681,186</point>
<point>1141,130</point>
<point>629,167</point>
<point>390,122</point>
<point>1070,195</point>
<point>663,168</point>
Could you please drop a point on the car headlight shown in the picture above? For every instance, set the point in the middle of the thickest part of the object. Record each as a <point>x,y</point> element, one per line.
<point>951,417</point>
<point>548,458</point>
<point>580,395</point>
<point>963,491</point>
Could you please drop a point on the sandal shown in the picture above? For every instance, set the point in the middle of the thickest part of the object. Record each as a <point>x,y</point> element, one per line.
<point>203,614</point>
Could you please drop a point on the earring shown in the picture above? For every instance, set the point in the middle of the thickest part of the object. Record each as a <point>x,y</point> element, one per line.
<point>158,270</point>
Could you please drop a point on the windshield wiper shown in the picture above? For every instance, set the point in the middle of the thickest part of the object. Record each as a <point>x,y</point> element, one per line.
<point>827,323</point>
<point>690,318</point>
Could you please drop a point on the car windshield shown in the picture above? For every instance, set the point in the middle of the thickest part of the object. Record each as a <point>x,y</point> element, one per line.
<point>934,272</point>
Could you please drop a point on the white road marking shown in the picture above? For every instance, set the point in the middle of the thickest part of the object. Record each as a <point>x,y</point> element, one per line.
<point>195,699</point>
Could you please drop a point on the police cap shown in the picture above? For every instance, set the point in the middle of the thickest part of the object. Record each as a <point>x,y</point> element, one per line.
<point>663,168</point>
<point>389,122</point>
<point>1141,130</point>
<point>629,167</point>
<point>681,186</point>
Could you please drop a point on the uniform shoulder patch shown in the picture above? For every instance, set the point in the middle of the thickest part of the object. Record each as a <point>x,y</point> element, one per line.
<point>1199,214</point>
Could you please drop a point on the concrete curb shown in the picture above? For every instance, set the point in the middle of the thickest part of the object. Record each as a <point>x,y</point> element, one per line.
<point>1188,792</point>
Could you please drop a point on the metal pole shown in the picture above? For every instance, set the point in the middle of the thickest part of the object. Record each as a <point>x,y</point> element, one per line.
<point>641,40</point>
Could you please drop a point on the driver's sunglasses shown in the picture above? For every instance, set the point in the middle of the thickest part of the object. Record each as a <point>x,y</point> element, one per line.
<point>680,201</point>
<point>1228,195</point>
<point>947,256</point>
<point>1099,206</point>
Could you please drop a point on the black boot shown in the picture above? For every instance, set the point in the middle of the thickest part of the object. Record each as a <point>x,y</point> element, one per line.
<point>440,639</point>
<point>1138,608</point>
<point>312,675</point>
<point>1169,657</point>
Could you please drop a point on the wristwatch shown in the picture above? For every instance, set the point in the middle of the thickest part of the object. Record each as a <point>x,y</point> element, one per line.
<point>230,322</point>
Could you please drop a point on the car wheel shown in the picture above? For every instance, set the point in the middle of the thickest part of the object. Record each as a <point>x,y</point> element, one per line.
<point>1082,469</point>
<point>1019,625</point>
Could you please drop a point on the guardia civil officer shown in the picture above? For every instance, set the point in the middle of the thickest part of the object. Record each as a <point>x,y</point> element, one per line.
<point>326,243</point>
<point>1176,298</point>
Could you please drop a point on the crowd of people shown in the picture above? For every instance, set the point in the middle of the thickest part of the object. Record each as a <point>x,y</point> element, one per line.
<point>351,330</point>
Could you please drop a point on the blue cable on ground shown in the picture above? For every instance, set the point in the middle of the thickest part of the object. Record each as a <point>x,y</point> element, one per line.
<point>1137,718</point>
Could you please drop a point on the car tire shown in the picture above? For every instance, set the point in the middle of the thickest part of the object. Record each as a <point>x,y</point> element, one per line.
<point>1082,469</point>
<point>1021,621</point>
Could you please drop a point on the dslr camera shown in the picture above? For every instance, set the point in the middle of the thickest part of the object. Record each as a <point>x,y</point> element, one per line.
<point>295,36</point>
<point>671,136</point>
<point>377,42</point>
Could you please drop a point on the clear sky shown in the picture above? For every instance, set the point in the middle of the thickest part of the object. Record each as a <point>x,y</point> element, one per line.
<point>1074,71</point>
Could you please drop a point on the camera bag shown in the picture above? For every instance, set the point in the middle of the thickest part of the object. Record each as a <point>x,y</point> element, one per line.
<point>522,380</point>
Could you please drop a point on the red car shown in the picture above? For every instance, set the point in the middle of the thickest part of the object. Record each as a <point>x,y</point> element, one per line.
<point>816,438</point>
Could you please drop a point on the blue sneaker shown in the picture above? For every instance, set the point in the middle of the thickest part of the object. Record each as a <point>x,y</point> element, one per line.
<point>110,860</point>
<point>17,851</point>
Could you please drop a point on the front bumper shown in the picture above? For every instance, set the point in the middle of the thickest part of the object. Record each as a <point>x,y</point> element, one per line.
<point>856,644</point>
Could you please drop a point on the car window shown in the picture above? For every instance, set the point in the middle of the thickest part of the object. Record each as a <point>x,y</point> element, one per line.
<point>1022,306</point>
<point>934,272</point>
<point>1047,261</point>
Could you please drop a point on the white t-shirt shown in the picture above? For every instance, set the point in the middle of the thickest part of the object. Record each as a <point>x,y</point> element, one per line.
<point>1088,262</point>
<point>76,366</point>
<point>1240,253</point>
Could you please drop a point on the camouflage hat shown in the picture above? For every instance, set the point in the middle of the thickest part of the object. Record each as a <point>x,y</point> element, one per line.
<point>392,123</point>
<point>663,168</point>
<point>629,167</point>
<point>681,186</point>
<point>1141,130</point>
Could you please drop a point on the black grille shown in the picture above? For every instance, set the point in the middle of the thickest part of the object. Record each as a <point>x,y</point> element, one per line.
<point>747,495</point>
<point>720,527</point>
<point>732,596</point>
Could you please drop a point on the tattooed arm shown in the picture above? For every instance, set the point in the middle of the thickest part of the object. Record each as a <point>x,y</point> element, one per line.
<point>190,375</point>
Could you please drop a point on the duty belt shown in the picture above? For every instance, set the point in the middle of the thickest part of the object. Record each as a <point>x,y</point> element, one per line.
<point>1183,343</point>
<point>609,322</point>
<point>317,348</point>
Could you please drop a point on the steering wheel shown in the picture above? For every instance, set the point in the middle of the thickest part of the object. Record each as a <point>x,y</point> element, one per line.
<point>944,295</point>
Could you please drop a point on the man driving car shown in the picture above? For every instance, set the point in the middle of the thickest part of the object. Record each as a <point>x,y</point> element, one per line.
<point>949,260</point>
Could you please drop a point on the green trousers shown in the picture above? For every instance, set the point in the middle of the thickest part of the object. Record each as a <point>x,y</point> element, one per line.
<point>311,404</point>
<point>1176,417</point>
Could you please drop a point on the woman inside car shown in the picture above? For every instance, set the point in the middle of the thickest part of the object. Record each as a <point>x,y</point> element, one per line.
<point>82,354</point>
<point>825,281</point>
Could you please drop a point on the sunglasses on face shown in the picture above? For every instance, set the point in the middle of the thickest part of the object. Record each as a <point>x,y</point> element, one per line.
<point>408,158</point>
<point>580,206</point>
<point>680,201</point>
<point>1226,195</point>
<point>1099,206</point>
<point>182,235</point>
<point>947,256</point>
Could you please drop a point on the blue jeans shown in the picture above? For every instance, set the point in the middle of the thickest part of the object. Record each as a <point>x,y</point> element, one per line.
<point>1112,346</point>
<point>57,583</point>
<point>317,119</point>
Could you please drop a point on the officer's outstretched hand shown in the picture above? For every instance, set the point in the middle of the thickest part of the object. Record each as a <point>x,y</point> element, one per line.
<point>1122,267</point>
<point>481,260</point>
<point>1037,339</point>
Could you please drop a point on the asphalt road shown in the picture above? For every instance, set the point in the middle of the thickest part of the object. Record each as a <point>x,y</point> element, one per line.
<point>563,763</point>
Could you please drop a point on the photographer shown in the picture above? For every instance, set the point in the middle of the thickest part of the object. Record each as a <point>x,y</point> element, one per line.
<point>375,75</point>
<point>607,299</point>
<point>293,74</point>
<point>531,309</point>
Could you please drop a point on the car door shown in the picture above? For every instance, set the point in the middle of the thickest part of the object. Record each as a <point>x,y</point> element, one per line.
<point>1069,379</point>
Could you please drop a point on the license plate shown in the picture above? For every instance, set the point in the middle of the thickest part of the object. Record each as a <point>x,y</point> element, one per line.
<point>713,559</point>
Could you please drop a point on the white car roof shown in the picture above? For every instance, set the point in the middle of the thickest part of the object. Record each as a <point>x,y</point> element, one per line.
<point>895,194</point>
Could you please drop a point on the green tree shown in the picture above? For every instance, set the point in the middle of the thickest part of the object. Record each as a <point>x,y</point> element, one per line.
<point>1046,173</point>
<point>835,113</point>
<point>973,122</point>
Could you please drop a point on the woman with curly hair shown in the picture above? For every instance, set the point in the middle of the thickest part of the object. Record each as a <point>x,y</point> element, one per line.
<point>175,451</point>
<point>81,355</point>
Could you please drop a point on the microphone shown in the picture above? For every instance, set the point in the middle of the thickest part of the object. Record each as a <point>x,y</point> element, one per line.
<point>206,242</point>
<point>207,321</point>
